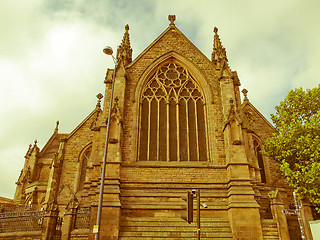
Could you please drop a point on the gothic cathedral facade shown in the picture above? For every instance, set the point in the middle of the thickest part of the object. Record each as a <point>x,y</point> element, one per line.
<point>177,123</point>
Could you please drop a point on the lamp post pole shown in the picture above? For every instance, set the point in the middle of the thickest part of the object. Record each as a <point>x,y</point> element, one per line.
<point>198,214</point>
<point>298,206</point>
<point>96,228</point>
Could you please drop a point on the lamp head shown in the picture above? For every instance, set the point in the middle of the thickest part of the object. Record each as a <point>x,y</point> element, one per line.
<point>108,50</point>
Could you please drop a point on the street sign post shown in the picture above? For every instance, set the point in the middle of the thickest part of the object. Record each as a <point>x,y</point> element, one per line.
<point>188,215</point>
<point>290,211</point>
<point>296,211</point>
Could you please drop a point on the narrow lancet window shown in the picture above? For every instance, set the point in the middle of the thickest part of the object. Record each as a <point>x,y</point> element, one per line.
<point>172,117</point>
<point>257,150</point>
<point>83,167</point>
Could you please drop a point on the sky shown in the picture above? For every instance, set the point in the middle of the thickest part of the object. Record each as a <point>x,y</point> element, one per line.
<point>52,65</point>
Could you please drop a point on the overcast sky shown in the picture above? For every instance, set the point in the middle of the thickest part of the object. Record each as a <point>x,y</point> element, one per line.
<point>52,65</point>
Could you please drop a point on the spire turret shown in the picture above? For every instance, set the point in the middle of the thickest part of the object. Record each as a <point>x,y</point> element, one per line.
<point>245,95</point>
<point>99,96</point>
<point>219,55</point>
<point>57,127</point>
<point>29,151</point>
<point>125,50</point>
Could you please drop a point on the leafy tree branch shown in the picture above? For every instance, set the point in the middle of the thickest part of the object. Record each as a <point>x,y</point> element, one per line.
<point>296,146</point>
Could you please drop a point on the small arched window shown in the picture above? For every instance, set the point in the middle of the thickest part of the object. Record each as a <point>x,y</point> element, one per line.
<point>85,156</point>
<point>257,151</point>
<point>172,117</point>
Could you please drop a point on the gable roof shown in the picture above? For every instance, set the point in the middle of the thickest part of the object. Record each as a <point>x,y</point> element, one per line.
<point>53,143</point>
<point>247,103</point>
<point>169,29</point>
<point>83,122</point>
<point>4,200</point>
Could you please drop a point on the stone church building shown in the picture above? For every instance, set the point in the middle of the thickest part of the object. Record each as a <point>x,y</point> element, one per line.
<point>177,123</point>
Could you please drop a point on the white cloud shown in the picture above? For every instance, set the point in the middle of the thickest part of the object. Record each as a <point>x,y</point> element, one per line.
<point>21,26</point>
<point>12,161</point>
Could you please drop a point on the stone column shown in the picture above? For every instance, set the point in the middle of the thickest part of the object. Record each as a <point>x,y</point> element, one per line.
<point>243,209</point>
<point>306,217</point>
<point>69,218</point>
<point>110,221</point>
<point>277,205</point>
<point>50,221</point>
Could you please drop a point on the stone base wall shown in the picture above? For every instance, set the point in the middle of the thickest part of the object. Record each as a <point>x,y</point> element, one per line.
<point>34,235</point>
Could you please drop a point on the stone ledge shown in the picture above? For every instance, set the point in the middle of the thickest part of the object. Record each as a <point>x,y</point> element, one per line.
<point>243,205</point>
<point>21,234</point>
<point>159,164</point>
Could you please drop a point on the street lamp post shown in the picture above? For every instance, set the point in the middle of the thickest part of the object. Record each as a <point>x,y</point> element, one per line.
<point>198,214</point>
<point>96,228</point>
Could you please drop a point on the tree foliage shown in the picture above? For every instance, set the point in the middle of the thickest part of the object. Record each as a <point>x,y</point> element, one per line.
<point>296,146</point>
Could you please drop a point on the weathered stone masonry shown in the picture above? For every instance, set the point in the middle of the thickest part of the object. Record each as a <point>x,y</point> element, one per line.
<point>177,124</point>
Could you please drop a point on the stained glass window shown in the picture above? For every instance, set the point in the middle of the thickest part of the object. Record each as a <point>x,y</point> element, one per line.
<point>172,117</point>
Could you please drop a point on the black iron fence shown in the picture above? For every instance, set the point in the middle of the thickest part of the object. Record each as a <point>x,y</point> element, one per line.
<point>82,219</point>
<point>29,219</point>
<point>21,221</point>
<point>57,234</point>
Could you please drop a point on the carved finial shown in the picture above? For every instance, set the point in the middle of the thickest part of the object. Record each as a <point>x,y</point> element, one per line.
<point>245,92</point>
<point>57,127</point>
<point>219,55</point>
<point>99,96</point>
<point>125,50</point>
<point>28,152</point>
<point>126,38</point>
<point>35,142</point>
<point>172,18</point>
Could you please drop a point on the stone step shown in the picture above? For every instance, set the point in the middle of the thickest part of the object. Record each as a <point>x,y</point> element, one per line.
<point>269,229</point>
<point>163,223</point>
<point>173,238</point>
<point>270,233</point>
<point>172,228</point>
<point>174,234</point>
<point>268,222</point>
<point>170,219</point>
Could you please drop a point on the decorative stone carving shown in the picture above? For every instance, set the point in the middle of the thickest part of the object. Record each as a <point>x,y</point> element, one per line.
<point>172,18</point>
<point>73,203</point>
<point>52,205</point>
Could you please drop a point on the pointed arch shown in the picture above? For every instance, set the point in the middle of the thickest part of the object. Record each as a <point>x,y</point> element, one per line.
<point>235,131</point>
<point>83,162</point>
<point>184,62</point>
<point>172,114</point>
<point>257,147</point>
<point>115,123</point>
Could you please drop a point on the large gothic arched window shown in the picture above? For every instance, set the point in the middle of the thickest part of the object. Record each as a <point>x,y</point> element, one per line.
<point>172,117</point>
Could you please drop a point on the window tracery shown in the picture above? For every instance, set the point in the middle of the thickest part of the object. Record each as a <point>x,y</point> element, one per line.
<point>172,117</point>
